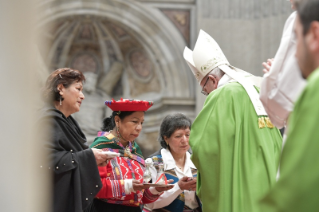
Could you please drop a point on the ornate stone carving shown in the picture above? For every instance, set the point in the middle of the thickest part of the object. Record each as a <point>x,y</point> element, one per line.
<point>237,9</point>
<point>148,143</point>
<point>118,31</point>
<point>181,20</point>
<point>86,32</point>
<point>93,111</point>
<point>85,63</point>
<point>137,88</point>
<point>111,78</point>
<point>140,63</point>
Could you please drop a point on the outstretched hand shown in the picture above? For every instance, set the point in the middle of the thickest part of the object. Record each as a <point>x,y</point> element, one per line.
<point>138,186</point>
<point>101,159</point>
<point>168,187</point>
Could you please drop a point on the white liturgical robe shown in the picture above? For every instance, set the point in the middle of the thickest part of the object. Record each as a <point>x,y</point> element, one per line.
<point>282,85</point>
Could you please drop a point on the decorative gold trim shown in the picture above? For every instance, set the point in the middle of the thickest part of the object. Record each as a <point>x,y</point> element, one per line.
<point>261,122</point>
<point>110,136</point>
<point>268,123</point>
<point>112,142</point>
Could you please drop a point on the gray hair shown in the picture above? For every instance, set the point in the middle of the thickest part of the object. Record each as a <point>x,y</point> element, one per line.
<point>217,72</point>
<point>171,123</point>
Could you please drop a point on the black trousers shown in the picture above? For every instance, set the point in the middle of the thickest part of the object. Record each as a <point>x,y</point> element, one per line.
<point>101,206</point>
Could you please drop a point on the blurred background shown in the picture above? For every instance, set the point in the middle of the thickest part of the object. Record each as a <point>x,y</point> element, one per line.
<point>133,49</point>
<point>126,48</point>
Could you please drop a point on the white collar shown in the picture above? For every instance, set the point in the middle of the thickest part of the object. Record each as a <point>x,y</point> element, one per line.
<point>224,80</point>
<point>169,162</point>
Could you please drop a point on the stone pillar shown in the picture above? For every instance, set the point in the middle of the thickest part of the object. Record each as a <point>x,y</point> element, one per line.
<point>21,188</point>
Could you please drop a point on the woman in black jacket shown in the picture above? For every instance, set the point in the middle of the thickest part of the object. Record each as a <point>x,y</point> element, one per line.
<point>76,178</point>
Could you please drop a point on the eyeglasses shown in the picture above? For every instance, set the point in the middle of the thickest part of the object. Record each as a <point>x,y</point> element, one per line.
<point>204,92</point>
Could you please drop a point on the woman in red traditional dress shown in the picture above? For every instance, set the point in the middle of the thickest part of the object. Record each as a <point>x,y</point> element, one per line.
<point>123,189</point>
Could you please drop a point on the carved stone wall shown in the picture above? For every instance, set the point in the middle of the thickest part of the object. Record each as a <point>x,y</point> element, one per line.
<point>181,20</point>
<point>242,9</point>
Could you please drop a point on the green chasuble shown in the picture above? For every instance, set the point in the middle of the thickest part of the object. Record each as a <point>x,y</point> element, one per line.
<point>298,187</point>
<point>236,160</point>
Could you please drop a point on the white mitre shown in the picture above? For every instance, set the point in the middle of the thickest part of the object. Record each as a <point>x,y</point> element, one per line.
<point>207,55</point>
<point>188,56</point>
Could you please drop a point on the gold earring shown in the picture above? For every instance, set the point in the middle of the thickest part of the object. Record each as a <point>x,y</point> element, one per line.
<point>118,132</point>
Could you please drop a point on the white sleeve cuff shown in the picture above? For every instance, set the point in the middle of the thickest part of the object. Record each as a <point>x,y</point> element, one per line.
<point>176,187</point>
<point>154,191</point>
<point>128,185</point>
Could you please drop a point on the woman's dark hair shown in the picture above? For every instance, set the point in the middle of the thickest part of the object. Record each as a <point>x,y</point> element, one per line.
<point>171,123</point>
<point>64,76</point>
<point>109,123</point>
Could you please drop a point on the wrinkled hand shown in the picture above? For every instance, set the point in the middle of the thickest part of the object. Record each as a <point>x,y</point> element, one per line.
<point>101,159</point>
<point>267,65</point>
<point>187,183</point>
<point>168,187</point>
<point>138,186</point>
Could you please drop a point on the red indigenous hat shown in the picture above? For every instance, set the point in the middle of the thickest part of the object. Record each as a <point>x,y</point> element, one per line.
<point>129,105</point>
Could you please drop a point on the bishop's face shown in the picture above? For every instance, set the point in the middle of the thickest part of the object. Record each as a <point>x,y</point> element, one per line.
<point>209,84</point>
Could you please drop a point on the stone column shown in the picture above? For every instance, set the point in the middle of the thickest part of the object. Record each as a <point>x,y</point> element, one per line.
<point>20,187</point>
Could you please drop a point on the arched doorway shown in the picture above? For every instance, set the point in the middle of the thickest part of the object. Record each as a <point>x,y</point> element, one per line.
<point>135,53</point>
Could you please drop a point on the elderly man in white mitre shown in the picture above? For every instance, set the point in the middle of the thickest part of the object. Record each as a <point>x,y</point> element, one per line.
<point>235,146</point>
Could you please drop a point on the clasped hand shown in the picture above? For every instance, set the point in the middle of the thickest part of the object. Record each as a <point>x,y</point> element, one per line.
<point>187,183</point>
